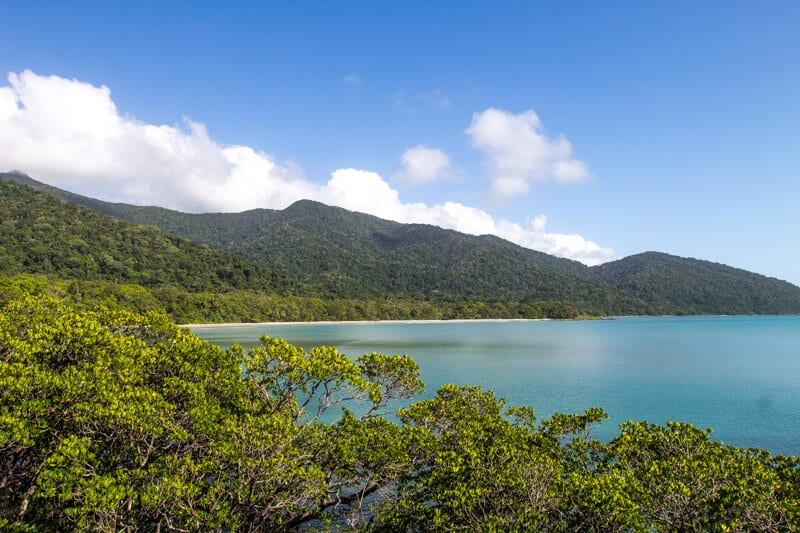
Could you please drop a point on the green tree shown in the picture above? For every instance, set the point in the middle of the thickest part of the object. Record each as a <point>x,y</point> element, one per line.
<point>479,466</point>
<point>116,421</point>
<point>687,482</point>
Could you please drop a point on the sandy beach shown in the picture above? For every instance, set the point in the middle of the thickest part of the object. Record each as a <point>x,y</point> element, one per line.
<point>357,322</point>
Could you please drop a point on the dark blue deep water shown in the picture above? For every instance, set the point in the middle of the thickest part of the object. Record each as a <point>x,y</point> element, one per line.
<point>737,375</point>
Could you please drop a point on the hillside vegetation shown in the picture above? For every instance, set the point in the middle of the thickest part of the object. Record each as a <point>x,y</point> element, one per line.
<point>671,285</point>
<point>51,246</point>
<point>40,234</point>
<point>345,255</point>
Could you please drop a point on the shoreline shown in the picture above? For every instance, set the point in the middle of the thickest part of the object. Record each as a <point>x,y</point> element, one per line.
<point>358,322</point>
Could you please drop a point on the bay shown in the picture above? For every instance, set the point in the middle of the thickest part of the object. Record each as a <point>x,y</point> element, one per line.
<point>739,375</point>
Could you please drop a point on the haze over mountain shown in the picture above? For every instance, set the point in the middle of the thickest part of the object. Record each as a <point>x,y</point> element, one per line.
<point>346,254</point>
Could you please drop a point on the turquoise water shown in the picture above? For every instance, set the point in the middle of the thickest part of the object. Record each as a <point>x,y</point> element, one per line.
<point>737,375</point>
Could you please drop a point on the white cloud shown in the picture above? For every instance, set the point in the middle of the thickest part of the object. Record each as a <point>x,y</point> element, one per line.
<point>8,103</point>
<point>360,190</point>
<point>421,164</point>
<point>352,78</point>
<point>70,134</point>
<point>519,152</point>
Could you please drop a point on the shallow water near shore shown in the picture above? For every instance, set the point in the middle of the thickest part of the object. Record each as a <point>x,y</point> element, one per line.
<point>739,375</point>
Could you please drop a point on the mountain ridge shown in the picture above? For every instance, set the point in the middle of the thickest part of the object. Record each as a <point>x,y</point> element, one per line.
<point>348,254</point>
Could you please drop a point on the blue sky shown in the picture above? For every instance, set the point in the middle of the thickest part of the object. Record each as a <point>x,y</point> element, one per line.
<point>591,130</point>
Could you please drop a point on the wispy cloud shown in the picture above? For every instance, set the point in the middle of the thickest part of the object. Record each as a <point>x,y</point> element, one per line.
<point>401,102</point>
<point>352,79</point>
<point>519,152</point>
<point>70,134</point>
<point>434,99</point>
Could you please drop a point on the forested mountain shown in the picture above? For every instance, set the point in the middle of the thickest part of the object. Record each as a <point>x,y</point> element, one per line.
<point>352,255</point>
<point>41,234</point>
<point>58,248</point>
<point>671,284</point>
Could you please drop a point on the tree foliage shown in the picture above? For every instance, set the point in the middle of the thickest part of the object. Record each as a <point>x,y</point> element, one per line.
<point>41,234</point>
<point>674,285</point>
<point>341,255</point>
<point>114,421</point>
<point>187,307</point>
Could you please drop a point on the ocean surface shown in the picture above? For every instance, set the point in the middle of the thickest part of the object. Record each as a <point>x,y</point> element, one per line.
<point>739,375</point>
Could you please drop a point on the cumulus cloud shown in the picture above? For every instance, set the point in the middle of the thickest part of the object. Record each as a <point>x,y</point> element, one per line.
<point>421,164</point>
<point>8,103</point>
<point>519,152</point>
<point>71,135</point>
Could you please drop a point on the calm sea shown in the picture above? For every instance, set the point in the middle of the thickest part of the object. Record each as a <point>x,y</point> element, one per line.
<point>737,375</point>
